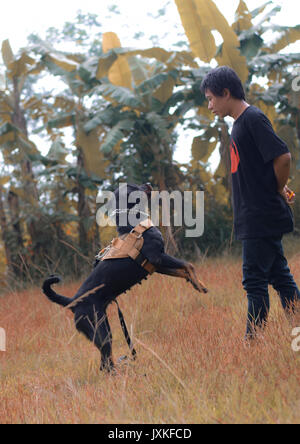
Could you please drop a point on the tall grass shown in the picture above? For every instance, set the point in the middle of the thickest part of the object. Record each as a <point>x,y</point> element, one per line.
<point>192,367</point>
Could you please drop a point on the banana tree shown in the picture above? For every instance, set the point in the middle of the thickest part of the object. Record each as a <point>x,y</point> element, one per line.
<point>245,50</point>
<point>140,127</point>
<point>69,109</point>
<point>16,147</point>
<point>118,106</point>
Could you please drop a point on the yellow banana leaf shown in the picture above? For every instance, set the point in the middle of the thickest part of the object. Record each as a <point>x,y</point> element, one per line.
<point>8,137</point>
<point>7,54</point>
<point>119,74</point>
<point>171,59</point>
<point>203,111</point>
<point>26,197</point>
<point>19,67</point>
<point>242,18</point>
<point>90,145</point>
<point>39,67</point>
<point>138,71</point>
<point>6,111</point>
<point>232,57</point>
<point>269,111</point>
<point>254,99</point>
<point>230,54</point>
<point>32,103</point>
<point>104,65</point>
<point>26,144</point>
<point>220,193</point>
<point>288,36</point>
<point>64,103</point>
<point>4,180</point>
<point>199,18</point>
<point>201,40</point>
<point>164,92</point>
<point>220,171</point>
<point>63,62</point>
<point>274,76</point>
<point>202,149</point>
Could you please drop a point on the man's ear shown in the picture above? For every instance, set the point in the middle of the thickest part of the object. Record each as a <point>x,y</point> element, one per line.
<point>226,93</point>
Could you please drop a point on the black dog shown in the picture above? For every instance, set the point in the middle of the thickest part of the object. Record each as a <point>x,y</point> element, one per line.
<point>112,277</point>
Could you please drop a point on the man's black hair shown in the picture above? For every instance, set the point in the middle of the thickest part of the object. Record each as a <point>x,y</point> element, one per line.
<point>223,77</point>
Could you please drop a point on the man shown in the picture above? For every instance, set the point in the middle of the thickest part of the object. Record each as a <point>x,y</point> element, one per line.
<point>260,166</point>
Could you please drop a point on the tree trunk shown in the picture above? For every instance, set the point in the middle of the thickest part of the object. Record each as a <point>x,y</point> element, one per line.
<point>4,232</point>
<point>28,181</point>
<point>14,210</point>
<point>170,243</point>
<point>83,208</point>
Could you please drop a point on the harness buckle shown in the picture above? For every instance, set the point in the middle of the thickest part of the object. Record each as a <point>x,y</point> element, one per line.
<point>137,236</point>
<point>102,252</point>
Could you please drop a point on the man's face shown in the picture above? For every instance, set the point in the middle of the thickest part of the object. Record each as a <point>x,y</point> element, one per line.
<point>217,104</point>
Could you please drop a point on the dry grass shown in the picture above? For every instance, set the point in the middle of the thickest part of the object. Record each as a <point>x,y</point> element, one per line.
<point>192,365</point>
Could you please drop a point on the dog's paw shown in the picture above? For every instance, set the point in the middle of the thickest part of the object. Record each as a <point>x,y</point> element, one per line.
<point>122,359</point>
<point>107,365</point>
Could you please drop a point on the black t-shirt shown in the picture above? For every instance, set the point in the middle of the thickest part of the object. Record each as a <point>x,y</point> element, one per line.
<point>259,210</point>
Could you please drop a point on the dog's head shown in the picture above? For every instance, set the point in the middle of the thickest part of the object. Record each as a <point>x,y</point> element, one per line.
<point>130,204</point>
<point>127,194</point>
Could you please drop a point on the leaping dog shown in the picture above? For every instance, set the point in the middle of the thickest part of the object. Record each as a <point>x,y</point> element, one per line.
<point>133,256</point>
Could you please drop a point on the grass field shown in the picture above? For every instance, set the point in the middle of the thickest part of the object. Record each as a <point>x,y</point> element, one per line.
<point>192,366</point>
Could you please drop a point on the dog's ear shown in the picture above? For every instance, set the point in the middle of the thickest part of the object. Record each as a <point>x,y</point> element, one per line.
<point>147,188</point>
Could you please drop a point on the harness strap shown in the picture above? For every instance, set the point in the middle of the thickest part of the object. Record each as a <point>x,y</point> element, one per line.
<point>130,245</point>
<point>125,331</point>
<point>143,262</point>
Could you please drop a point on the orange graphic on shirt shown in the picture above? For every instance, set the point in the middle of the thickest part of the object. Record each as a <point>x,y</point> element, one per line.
<point>235,157</point>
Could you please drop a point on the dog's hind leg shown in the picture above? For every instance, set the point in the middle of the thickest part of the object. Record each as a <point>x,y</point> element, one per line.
<point>103,341</point>
<point>96,328</point>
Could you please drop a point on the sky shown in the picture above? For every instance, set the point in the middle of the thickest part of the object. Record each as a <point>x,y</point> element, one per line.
<point>19,18</point>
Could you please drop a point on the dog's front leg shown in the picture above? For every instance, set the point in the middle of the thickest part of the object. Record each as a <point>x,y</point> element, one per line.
<point>181,269</point>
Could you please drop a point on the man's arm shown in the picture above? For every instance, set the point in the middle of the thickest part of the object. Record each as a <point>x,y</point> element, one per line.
<point>282,167</point>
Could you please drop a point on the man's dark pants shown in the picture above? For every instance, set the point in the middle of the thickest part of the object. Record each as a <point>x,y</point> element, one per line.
<point>264,263</point>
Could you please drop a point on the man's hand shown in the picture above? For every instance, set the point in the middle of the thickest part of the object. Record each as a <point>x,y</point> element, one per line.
<point>288,195</point>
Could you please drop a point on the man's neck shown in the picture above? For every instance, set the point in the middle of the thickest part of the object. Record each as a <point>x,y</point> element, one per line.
<point>238,108</point>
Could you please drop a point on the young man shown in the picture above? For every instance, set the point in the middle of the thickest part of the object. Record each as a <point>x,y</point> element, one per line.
<point>260,166</point>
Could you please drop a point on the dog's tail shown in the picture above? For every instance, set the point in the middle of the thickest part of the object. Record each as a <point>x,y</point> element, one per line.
<point>51,294</point>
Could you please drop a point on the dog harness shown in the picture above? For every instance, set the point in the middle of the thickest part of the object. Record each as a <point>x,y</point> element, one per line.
<point>129,245</point>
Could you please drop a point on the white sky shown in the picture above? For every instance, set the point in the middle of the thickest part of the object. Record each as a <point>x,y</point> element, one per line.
<point>19,18</point>
<point>22,17</point>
